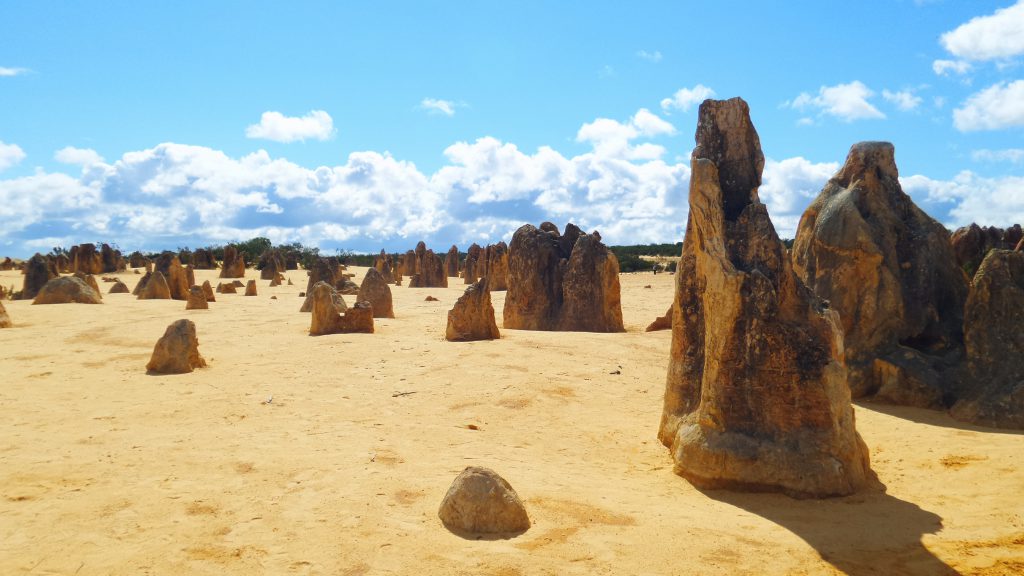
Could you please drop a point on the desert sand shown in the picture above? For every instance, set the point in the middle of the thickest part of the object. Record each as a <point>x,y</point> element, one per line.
<point>292,454</point>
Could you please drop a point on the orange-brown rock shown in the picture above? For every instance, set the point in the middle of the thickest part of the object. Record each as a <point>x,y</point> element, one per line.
<point>270,264</point>
<point>385,264</point>
<point>323,270</point>
<point>339,303</point>
<point>234,263</point>
<point>756,396</point>
<point>888,269</point>
<point>495,266</point>
<point>7,264</point>
<point>176,275</point>
<point>472,269</point>
<point>561,282</point>
<point>111,259</point>
<point>202,259</point>
<point>5,319</point>
<point>67,290</point>
<point>472,317</point>
<point>992,391</point>
<point>85,259</point>
<point>177,351</point>
<point>376,291</point>
<point>451,262</point>
<point>196,299</point>
<point>137,260</point>
<point>325,317</point>
<point>227,288</point>
<point>972,243</point>
<point>38,271</point>
<point>91,281</point>
<point>661,322</point>
<point>208,291</point>
<point>250,288</point>
<point>154,288</point>
<point>119,288</point>
<point>429,269</point>
<point>479,502</point>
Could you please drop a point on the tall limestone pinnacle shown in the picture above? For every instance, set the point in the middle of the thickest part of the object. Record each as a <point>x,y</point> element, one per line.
<point>756,395</point>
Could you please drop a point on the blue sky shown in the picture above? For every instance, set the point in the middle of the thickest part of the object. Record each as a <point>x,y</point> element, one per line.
<point>370,125</point>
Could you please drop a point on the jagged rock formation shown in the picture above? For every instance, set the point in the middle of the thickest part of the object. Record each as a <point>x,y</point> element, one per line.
<point>325,317</point>
<point>137,260</point>
<point>451,262</point>
<point>177,351</point>
<point>38,271</point>
<point>154,287</point>
<point>480,501</point>
<point>90,280</point>
<point>208,291</point>
<point>756,395</point>
<point>196,299</point>
<point>472,270</point>
<point>111,259</point>
<point>250,288</point>
<point>888,269</point>
<point>661,322</point>
<point>202,259</point>
<point>562,282</point>
<point>384,264</point>
<point>429,269</point>
<point>408,267</point>
<point>271,264</point>
<point>972,243</point>
<point>85,259</point>
<point>119,288</point>
<point>176,275</point>
<point>323,270</point>
<point>339,303</point>
<point>233,265</point>
<point>376,291</point>
<point>472,317</point>
<point>346,285</point>
<point>495,266</point>
<point>992,392</point>
<point>5,319</point>
<point>67,290</point>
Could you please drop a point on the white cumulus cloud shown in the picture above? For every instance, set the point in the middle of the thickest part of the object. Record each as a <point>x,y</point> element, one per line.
<point>904,99</point>
<point>611,138</point>
<point>10,154</point>
<point>275,126</point>
<point>945,67</point>
<point>848,102</point>
<point>974,198</point>
<point>77,156</point>
<point>997,107</point>
<point>788,186</point>
<point>1011,155</point>
<point>436,106</point>
<point>686,98</point>
<point>993,37</point>
<point>6,71</point>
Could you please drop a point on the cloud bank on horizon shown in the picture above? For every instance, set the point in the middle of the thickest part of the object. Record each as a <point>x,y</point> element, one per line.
<point>624,181</point>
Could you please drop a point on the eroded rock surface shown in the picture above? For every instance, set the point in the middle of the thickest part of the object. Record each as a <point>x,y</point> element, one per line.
<point>67,290</point>
<point>154,287</point>
<point>992,392</point>
<point>177,351</point>
<point>233,265</point>
<point>196,299</point>
<point>756,395</point>
<point>480,501</point>
<point>376,291</point>
<point>889,270</point>
<point>38,271</point>
<point>472,317</point>
<point>325,317</point>
<point>567,282</point>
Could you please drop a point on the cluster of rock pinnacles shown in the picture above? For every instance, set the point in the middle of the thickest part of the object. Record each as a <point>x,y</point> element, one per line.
<point>769,345</point>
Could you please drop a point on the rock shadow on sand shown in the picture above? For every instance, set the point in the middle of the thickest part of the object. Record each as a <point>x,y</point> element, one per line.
<point>865,534</point>
<point>930,417</point>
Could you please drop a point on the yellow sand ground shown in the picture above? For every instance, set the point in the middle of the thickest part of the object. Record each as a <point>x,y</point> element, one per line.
<point>105,470</point>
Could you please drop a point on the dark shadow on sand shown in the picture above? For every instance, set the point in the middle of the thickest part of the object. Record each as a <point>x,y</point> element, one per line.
<point>867,534</point>
<point>930,417</point>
